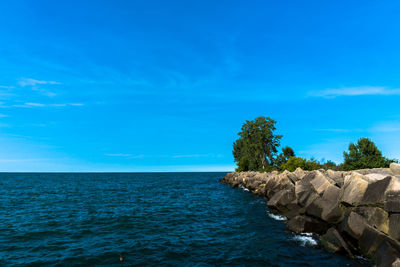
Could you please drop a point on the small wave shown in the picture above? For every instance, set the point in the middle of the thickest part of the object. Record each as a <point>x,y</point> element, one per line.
<point>305,239</point>
<point>277,217</point>
<point>244,188</point>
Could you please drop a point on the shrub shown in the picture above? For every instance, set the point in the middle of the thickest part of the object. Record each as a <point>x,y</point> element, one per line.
<point>364,155</point>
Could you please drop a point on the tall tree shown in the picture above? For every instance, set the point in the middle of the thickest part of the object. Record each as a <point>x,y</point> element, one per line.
<point>257,145</point>
<point>364,155</point>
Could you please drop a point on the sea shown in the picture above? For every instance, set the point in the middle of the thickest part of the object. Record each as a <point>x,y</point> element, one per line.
<point>145,219</point>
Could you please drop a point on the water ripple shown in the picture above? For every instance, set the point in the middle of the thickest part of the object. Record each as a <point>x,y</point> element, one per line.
<point>175,219</point>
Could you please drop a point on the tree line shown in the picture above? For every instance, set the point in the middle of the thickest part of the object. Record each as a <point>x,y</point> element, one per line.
<point>256,149</point>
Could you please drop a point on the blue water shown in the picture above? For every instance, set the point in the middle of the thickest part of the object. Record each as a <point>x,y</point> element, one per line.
<point>175,219</point>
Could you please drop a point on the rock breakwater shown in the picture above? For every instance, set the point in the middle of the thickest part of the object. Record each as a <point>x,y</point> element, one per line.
<point>355,212</point>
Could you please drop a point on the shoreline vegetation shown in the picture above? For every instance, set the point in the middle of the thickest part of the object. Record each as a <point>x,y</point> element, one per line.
<point>256,149</point>
<point>353,206</point>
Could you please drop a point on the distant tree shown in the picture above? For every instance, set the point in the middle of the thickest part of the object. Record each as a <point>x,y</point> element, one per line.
<point>364,155</point>
<point>287,153</point>
<point>297,162</point>
<point>257,145</point>
<point>329,165</point>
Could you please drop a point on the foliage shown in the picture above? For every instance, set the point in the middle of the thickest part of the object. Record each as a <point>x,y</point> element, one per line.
<point>282,158</point>
<point>257,145</point>
<point>297,162</point>
<point>330,165</point>
<point>364,155</point>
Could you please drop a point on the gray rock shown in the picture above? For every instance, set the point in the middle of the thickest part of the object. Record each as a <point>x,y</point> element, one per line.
<point>376,217</point>
<point>395,168</point>
<point>336,176</point>
<point>370,240</point>
<point>354,189</point>
<point>394,226</point>
<point>325,210</point>
<point>386,255</point>
<point>375,193</point>
<point>354,225</point>
<point>276,183</point>
<point>281,201</point>
<point>334,242</point>
<point>321,182</point>
<point>392,201</point>
<point>297,175</point>
<point>302,223</point>
<point>296,210</point>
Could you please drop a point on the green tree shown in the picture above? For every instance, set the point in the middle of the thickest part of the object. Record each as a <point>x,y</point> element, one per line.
<point>287,153</point>
<point>329,165</point>
<point>297,162</point>
<point>364,155</point>
<point>257,145</point>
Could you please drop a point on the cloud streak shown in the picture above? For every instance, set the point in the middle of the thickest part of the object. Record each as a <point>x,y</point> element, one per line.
<point>33,82</point>
<point>122,155</point>
<point>40,105</point>
<point>355,91</point>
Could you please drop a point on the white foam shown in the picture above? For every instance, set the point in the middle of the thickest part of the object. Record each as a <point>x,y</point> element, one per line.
<point>277,217</point>
<point>244,188</point>
<point>305,240</point>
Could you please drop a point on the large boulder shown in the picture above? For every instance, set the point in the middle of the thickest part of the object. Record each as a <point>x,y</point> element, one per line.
<point>387,255</point>
<point>336,176</point>
<point>324,209</point>
<point>392,196</point>
<point>375,193</point>
<point>321,182</point>
<point>296,210</point>
<point>354,225</point>
<point>334,242</point>
<point>374,216</point>
<point>394,226</point>
<point>373,177</point>
<point>333,194</point>
<point>276,183</point>
<point>354,189</point>
<point>297,175</point>
<point>370,240</point>
<point>282,200</point>
<point>303,223</point>
<point>395,168</point>
<point>305,193</point>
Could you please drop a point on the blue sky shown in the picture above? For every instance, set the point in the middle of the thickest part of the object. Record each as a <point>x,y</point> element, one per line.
<point>166,85</point>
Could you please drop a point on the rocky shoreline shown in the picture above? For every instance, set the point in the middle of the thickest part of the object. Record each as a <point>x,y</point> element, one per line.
<point>354,212</point>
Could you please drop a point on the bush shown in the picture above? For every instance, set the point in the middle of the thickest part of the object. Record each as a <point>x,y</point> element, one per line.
<point>297,162</point>
<point>364,155</point>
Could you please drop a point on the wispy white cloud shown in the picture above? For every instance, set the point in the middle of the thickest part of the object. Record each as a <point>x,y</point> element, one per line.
<point>122,155</point>
<point>187,156</point>
<point>339,130</point>
<point>386,127</point>
<point>33,82</point>
<point>355,91</point>
<point>21,160</point>
<point>6,87</point>
<point>34,104</point>
<point>197,156</point>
